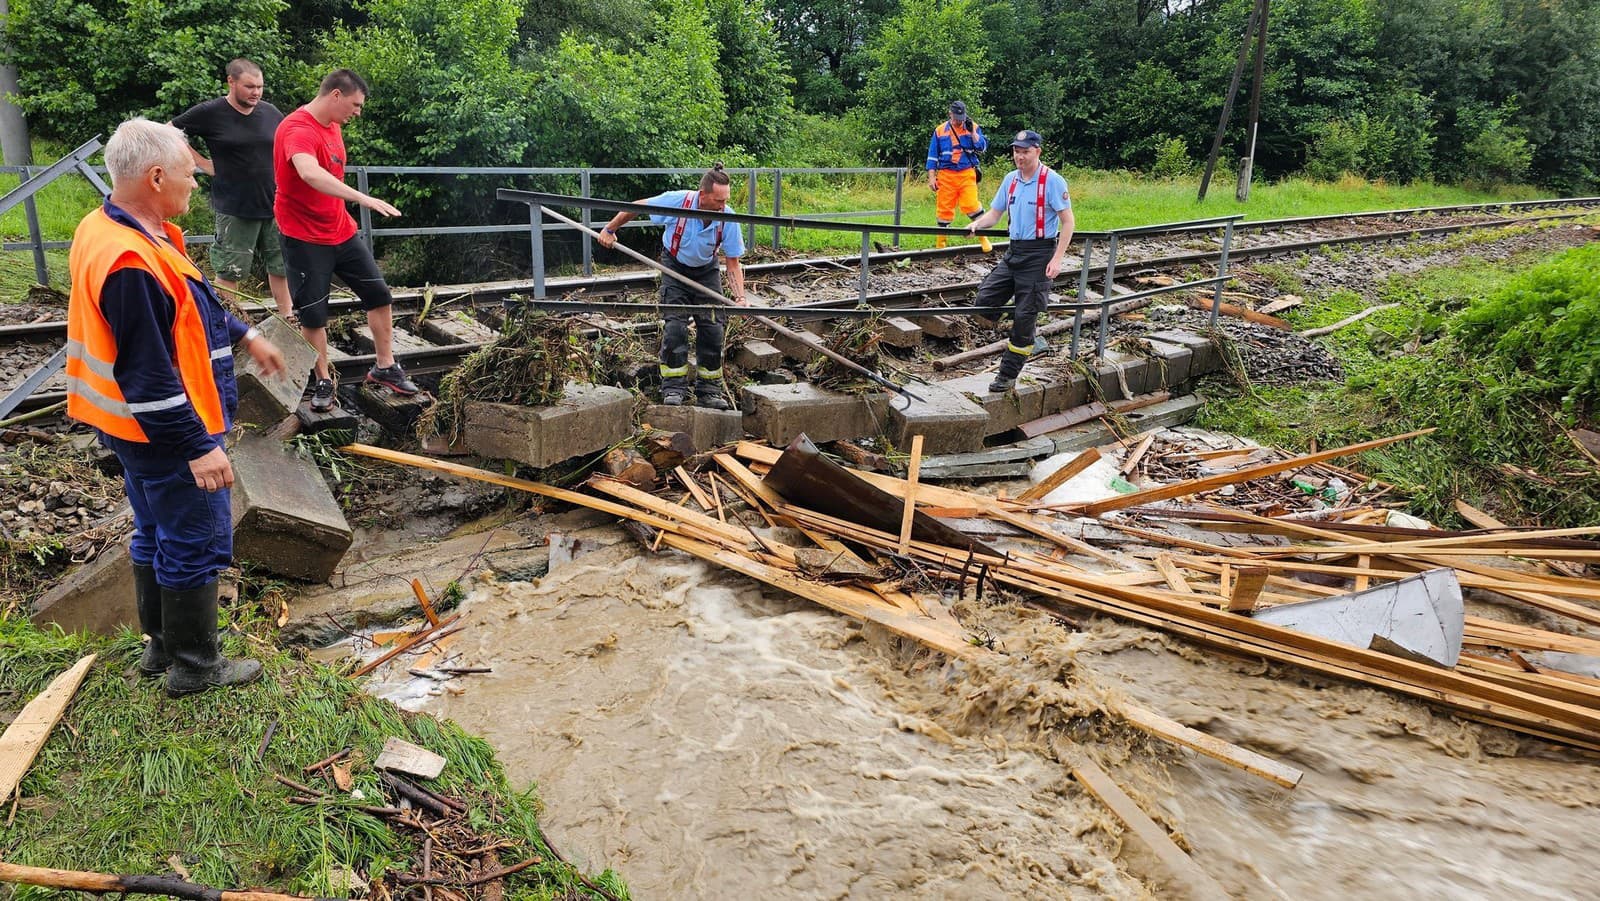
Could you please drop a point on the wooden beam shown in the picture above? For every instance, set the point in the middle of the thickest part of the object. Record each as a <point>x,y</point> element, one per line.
<point>1246,588</point>
<point>1196,883</point>
<point>698,493</point>
<point>1195,486</point>
<point>1061,476</point>
<point>27,734</point>
<point>909,503</point>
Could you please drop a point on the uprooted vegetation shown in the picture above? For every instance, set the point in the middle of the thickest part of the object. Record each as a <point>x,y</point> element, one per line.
<point>1502,357</point>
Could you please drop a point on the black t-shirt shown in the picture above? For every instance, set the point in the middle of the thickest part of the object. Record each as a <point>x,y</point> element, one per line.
<point>241,148</point>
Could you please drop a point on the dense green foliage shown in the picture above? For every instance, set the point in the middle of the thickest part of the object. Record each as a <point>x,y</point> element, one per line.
<point>922,60</point>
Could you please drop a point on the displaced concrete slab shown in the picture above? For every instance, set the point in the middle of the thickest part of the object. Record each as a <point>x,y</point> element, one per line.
<point>798,351</point>
<point>264,401</point>
<point>1168,413</point>
<point>1207,356</point>
<point>898,331</point>
<point>396,413</point>
<point>941,326</point>
<point>1172,361</point>
<point>402,341</point>
<point>1123,376</point>
<point>706,428</point>
<point>992,462</point>
<point>756,356</point>
<point>948,421</point>
<point>1006,409</point>
<point>285,520</point>
<point>455,327</point>
<point>587,419</point>
<point>97,596</point>
<point>1420,617</point>
<point>780,413</point>
<point>1062,391</point>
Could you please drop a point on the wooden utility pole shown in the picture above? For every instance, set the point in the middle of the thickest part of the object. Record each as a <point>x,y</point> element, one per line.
<point>1257,16</point>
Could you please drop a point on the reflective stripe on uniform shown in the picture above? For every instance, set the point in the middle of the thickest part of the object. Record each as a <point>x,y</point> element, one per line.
<point>673,372</point>
<point>93,395</point>
<point>221,352</point>
<point>156,406</point>
<point>710,373</point>
<point>1019,351</point>
<point>77,351</point>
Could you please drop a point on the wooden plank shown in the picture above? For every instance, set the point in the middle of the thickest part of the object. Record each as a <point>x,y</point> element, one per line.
<point>1213,747</point>
<point>1477,517</point>
<point>1063,420</point>
<point>1194,881</point>
<point>1246,588</point>
<point>695,491</point>
<point>1061,476</point>
<point>1137,454</point>
<point>423,602</point>
<point>27,734</point>
<point>416,639</point>
<point>1172,574</point>
<point>1238,312</point>
<point>1195,486</point>
<point>909,505</point>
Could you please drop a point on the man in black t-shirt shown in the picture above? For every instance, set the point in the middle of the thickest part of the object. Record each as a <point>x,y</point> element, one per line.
<point>238,128</point>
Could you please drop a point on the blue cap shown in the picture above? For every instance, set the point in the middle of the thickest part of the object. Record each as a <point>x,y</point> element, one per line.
<point>1026,138</point>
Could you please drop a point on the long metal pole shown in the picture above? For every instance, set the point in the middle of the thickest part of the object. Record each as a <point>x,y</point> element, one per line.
<point>866,253</point>
<point>1105,301</point>
<point>366,213</point>
<point>1227,102</point>
<point>588,243</point>
<point>777,206</point>
<point>809,340</point>
<point>899,201</point>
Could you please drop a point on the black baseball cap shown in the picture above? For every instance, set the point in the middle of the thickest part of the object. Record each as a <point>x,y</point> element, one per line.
<point>957,108</point>
<point>1026,138</point>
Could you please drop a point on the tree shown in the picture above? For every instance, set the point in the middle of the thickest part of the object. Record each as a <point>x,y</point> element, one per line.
<point>924,58</point>
<point>754,75</point>
<point>827,42</point>
<point>87,65</point>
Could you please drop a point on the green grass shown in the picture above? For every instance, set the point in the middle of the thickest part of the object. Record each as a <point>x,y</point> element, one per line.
<point>132,778</point>
<point>1500,444</point>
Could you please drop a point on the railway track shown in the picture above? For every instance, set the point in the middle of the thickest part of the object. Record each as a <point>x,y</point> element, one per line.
<point>898,278</point>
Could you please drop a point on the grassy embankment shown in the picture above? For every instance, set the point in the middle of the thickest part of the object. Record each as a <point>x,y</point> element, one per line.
<point>1502,357</point>
<point>132,781</point>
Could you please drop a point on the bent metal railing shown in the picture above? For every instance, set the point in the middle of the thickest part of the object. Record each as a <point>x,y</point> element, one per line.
<point>752,178</point>
<point>1085,303</point>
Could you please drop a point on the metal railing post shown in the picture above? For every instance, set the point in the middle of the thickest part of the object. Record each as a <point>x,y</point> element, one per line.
<point>366,214</point>
<point>777,206</point>
<point>866,252</point>
<point>899,198</point>
<point>750,202</point>
<point>536,236</point>
<point>588,222</point>
<point>1222,270</point>
<point>1105,300</point>
<point>1083,292</point>
<point>41,268</point>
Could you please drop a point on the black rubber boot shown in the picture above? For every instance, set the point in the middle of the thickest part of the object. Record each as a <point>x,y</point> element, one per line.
<point>190,621</point>
<point>147,596</point>
<point>674,390</point>
<point>709,393</point>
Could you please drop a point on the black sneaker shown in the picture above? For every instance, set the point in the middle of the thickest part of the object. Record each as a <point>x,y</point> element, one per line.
<point>394,378</point>
<point>322,398</point>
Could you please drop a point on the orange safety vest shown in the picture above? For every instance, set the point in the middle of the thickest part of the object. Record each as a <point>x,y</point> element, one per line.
<point>954,135</point>
<point>100,247</point>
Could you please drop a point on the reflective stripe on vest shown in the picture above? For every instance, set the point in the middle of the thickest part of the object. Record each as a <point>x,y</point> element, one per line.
<point>100,247</point>
<point>1038,205</point>
<point>677,232</point>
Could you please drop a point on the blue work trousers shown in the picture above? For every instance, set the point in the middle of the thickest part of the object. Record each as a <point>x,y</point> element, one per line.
<point>179,528</point>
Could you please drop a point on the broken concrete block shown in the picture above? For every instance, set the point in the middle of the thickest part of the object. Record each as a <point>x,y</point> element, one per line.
<point>795,350</point>
<point>265,401</point>
<point>455,327</point>
<point>898,331</point>
<point>1095,432</point>
<point>1419,617</point>
<point>402,756</point>
<point>396,413</point>
<point>402,341</point>
<point>941,326</point>
<point>780,413</point>
<point>1207,357</point>
<point>756,356</point>
<point>706,428</point>
<point>97,596</point>
<point>948,421</point>
<point>1172,362</point>
<point>1006,409</point>
<point>1122,376</point>
<point>285,520</point>
<point>776,377</point>
<point>1063,391</point>
<point>587,419</point>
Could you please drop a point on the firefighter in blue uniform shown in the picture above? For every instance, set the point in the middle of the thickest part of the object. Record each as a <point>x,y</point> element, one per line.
<point>150,366</point>
<point>689,247</point>
<point>1041,228</point>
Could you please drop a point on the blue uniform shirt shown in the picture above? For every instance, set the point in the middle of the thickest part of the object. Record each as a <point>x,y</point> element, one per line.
<point>1024,223</point>
<point>697,246</point>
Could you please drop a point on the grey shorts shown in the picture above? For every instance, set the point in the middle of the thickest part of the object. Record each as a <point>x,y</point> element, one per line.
<point>240,242</point>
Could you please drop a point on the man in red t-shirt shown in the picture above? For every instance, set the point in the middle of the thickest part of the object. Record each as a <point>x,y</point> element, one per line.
<point>319,235</point>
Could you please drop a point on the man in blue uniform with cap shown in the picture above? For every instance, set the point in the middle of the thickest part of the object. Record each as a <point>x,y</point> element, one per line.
<point>689,247</point>
<point>1041,228</point>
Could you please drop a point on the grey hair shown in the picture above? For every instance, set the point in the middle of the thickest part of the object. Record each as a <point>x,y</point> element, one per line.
<point>138,144</point>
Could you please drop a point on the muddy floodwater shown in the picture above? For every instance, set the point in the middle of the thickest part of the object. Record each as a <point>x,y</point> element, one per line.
<point>710,739</point>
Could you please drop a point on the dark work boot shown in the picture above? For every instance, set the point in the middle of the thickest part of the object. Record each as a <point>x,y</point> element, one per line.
<point>674,390</point>
<point>190,624</point>
<point>1010,367</point>
<point>147,596</point>
<point>708,391</point>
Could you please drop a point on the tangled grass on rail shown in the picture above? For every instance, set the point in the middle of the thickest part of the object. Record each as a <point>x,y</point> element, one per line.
<point>529,365</point>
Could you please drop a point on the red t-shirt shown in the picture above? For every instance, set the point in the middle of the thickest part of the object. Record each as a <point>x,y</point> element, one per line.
<point>303,212</point>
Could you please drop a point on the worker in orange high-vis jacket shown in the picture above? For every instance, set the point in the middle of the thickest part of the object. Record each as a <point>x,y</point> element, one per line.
<point>953,171</point>
<point>150,366</point>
